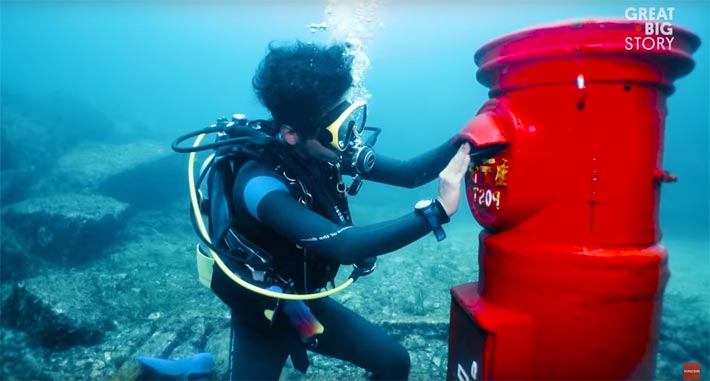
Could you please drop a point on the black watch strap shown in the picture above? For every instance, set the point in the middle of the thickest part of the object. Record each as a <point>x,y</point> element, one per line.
<point>435,215</point>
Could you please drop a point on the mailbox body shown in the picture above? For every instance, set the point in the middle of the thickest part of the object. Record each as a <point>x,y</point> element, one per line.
<point>572,271</point>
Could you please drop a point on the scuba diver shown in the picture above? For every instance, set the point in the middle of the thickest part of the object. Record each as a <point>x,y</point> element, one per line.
<point>286,227</point>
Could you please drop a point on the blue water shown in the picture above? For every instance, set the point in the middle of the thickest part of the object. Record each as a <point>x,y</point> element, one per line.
<point>174,66</point>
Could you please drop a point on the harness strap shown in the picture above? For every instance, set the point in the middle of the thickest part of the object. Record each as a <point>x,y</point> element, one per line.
<point>319,189</point>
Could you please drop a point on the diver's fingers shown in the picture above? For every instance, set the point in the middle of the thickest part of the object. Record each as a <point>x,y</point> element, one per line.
<point>463,159</point>
<point>458,165</point>
<point>450,180</point>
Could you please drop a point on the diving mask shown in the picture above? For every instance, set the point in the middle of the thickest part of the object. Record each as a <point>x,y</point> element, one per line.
<point>344,135</point>
<point>349,123</point>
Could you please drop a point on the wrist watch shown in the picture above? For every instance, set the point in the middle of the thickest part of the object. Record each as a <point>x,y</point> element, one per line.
<point>435,215</point>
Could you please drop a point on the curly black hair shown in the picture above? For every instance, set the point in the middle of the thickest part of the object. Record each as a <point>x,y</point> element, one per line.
<point>297,82</point>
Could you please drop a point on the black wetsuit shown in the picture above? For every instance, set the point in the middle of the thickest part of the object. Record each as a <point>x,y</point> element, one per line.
<point>271,216</point>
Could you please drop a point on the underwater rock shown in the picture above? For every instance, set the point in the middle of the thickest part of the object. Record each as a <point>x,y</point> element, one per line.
<point>15,184</point>
<point>218,344</point>
<point>17,263</point>
<point>57,311</point>
<point>26,149</point>
<point>24,141</point>
<point>177,337</point>
<point>36,132</point>
<point>144,174</point>
<point>88,165</point>
<point>75,119</point>
<point>64,229</point>
<point>62,144</point>
<point>19,360</point>
<point>682,337</point>
<point>154,184</point>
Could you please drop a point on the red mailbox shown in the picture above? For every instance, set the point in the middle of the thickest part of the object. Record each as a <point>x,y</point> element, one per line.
<point>572,273</point>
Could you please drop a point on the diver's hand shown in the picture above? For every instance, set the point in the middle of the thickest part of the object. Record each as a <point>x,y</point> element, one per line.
<point>450,179</point>
<point>366,266</point>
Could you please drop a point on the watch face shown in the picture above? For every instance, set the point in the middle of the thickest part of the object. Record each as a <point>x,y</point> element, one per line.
<point>422,204</point>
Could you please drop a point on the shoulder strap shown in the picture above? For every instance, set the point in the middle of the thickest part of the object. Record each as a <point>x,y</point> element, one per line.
<point>220,183</point>
<point>322,187</point>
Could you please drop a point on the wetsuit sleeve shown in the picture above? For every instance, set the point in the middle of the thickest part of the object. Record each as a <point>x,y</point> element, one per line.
<point>415,171</point>
<point>325,239</point>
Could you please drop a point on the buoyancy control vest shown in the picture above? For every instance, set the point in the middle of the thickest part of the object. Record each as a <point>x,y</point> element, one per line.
<point>320,189</point>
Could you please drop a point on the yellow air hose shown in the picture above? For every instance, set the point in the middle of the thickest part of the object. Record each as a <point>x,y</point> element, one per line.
<point>204,263</point>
